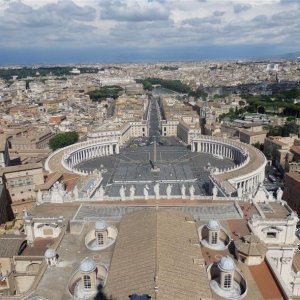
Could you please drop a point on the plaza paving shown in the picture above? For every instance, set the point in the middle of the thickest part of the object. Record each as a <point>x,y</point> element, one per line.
<point>178,165</point>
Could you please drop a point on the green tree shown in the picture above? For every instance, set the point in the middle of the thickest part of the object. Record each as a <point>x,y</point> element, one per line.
<point>64,139</point>
<point>259,146</point>
<point>105,92</point>
<point>174,85</point>
<point>268,152</point>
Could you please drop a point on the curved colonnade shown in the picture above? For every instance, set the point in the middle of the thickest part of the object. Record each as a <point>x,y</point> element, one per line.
<point>243,178</point>
<point>88,150</point>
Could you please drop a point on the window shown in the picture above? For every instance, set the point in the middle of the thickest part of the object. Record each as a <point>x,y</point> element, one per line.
<point>227,281</point>
<point>214,238</point>
<point>100,239</point>
<point>87,282</point>
<point>271,235</point>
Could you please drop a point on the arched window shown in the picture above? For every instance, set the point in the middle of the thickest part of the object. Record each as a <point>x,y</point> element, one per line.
<point>227,281</point>
<point>214,238</point>
<point>100,238</point>
<point>87,282</point>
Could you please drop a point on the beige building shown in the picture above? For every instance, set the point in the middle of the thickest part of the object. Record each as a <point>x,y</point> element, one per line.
<point>20,181</point>
<point>14,245</point>
<point>292,190</point>
<point>278,148</point>
<point>252,134</point>
<point>4,155</point>
<point>4,205</point>
<point>31,141</point>
<point>129,120</point>
<point>179,119</point>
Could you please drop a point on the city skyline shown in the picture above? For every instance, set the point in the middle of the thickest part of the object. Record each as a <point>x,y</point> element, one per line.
<point>78,31</point>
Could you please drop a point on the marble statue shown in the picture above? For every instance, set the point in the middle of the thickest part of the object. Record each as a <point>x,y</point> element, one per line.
<point>192,192</point>
<point>26,214</point>
<point>156,190</point>
<point>122,193</point>
<point>60,186</point>
<point>101,192</point>
<point>76,192</point>
<point>182,190</point>
<point>146,191</point>
<point>169,190</point>
<point>68,197</point>
<point>208,166</point>
<point>279,194</point>
<point>214,192</point>
<point>39,196</point>
<point>57,193</point>
<point>132,192</point>
<point>240,192</point>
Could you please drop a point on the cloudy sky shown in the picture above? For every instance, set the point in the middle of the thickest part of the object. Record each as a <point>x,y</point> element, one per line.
<point>37,31</point>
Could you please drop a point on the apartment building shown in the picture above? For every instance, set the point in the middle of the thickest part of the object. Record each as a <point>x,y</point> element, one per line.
<point>20,182</point>
<point>31,141</point>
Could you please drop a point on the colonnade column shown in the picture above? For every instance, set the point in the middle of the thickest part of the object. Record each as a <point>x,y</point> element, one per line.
<point>117,148</point>
<point>193,147</point>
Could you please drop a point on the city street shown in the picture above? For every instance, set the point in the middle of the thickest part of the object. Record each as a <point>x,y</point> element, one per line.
<point>273,186</point>
<point>154,126</point>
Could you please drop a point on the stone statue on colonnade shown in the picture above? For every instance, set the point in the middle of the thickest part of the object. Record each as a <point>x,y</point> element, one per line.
<point>156,190</point>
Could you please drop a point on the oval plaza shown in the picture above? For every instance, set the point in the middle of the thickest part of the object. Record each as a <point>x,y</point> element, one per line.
<point>210,166</point>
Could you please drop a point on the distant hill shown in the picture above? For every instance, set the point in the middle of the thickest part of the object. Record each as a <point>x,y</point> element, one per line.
<point>293,55</point>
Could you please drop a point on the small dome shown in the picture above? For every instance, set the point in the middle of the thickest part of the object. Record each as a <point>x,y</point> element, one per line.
<point>50,253</point>
<point>100,225</point>
<point>87,265</point>
<point>213,224</point>
<point>226,264</point>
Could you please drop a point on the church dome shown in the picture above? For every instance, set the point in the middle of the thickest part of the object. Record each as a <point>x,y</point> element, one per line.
<point>226,264</point>
<point>87,265</point>
<point>100,225</point>
<point>50,253</point>
<point>213,224</point>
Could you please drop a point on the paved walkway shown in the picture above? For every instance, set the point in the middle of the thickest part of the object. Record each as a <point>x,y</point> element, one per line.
<point>199,212</point>
<point>55,163</point>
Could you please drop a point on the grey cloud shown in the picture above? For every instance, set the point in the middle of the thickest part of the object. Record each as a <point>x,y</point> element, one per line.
<point>51,22</point>
<point>237,8</point>
<point>50,14</point>
<point>197,22</point>
<point>18,7</point>
<point>287,2</point>
<point>219,13</point>
<point>119,10</point>
<point>67,24</point>
<point>69,9</point>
